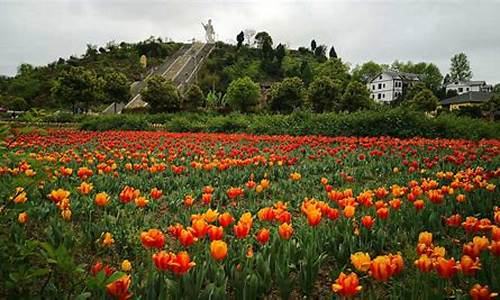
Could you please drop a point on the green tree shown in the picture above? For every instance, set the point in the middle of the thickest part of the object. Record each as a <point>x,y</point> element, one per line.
<point>306,72</point>
<point>313,45</point>
<point>116,86</point>
<point>413,90</point>
<point>262,37</point>
<point>320,53</point>
<point>240,38</point>
<point>356,97</point>
<point>496,88</point>
<point>194,98</point>
<point>280,53</point>
<point>332,53</point>
<point>335,69</point>
<point>492,106</point>
<point>77,85</point>
<point>324,95</point>
<point>460,68</point>
<point>287,95</point>
<point>243,94</point>
<point>161,95</point>
<point>13,103</point>
<point>424,101</point>
<point>366,71</point>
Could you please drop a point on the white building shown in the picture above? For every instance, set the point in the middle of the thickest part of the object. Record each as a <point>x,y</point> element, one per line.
<point>462,87</point>
<point>389,85</point>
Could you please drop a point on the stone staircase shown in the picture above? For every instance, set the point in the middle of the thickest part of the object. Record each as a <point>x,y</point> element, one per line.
<point>180,68</point>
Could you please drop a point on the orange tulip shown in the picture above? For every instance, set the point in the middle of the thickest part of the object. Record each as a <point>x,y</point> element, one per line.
<point>186,238</point>
<point>285,231</point>
<point>218,249</point>
<point>241,230</point>
<point>108,239</point>
<point>119,288</point>
<point>381,268</point>
<point>367,222</point>
<point>215,232</point>
<point>85,188</point>
<point>349,211</point>
<point>58,195</point>
<point>200,228</point>
<point>383,213</point>
<point>141,202</point>
<point>313,216</point>
<point>153,238</point>
<point>129,194</point>
<point>446,268</point>
<point>478,292</point>
<point>156,193</point>
<point>225,219</point>
<point>262,236</point>
<point>101,199</point>
<point>424,263</point>
<point>22,218</point>
<point>361,261</point>
<point>425,238</point>
<point>181,263</point>
<point>419,204</point>
<point>210,215</point>
<point>495,248</point>
<point>347,285</point>
<point>495,233</point>
<point>469,266</point>
<point>162,260</point>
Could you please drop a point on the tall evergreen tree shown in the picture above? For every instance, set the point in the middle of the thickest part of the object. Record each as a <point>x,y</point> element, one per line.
<point>313,45</point>
<point>240,38</point>
<point>332,53</point>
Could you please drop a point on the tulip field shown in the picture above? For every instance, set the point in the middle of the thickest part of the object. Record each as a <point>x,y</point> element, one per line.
<point>156,215</point>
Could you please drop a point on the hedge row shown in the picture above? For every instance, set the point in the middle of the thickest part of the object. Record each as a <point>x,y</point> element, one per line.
<point>396,123</point>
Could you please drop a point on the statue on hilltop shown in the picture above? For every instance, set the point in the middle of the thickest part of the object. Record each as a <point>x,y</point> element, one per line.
<point>209,32</point>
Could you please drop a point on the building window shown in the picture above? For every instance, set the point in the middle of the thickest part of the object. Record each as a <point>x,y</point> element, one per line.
<point>383,95</point>
<point>467,89</point>
<point>379,86</point>
<point>380,77</point>
<point>373,87</point>
<point>384,85</point>
<point>460,90</point>
<point>379,96</point>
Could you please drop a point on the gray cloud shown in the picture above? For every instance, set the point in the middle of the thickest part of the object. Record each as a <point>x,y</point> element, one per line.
<point>38,32</point>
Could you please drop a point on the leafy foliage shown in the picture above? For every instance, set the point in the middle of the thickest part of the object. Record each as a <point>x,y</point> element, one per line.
<point>287,95</point>
<point>243,94</point>
<point>161,95</point>
<point>324,95</point>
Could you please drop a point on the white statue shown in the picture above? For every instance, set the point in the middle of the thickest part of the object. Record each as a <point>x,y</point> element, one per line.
<point>209,32</point>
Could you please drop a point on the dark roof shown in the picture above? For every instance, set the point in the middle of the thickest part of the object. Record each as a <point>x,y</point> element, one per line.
<point>399,75</point>
<point>468,97</point>
<point>471,82</point>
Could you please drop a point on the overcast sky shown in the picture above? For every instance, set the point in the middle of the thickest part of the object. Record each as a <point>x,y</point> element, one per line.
<point>40,31</point>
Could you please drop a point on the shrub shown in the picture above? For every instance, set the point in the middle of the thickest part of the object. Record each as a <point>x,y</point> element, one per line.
<point>424,101</point>
<point>287,95</point>
<point>356,97</point>
<point>161,95</point>
<point>323,95</point>
<point>243,94</point>
<point>194,98</point>
<point>115,122</point>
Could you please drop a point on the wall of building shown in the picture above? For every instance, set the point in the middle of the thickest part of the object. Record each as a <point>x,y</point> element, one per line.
<point>385,89</point>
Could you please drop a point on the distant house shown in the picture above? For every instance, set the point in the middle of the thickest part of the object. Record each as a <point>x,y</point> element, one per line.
<point>462,87</point>
<point>390,85</point>
<point>466,99</point>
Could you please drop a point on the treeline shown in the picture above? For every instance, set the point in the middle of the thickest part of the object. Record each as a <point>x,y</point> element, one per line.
<point>108,70</point>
